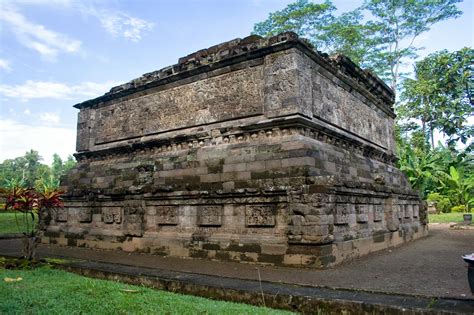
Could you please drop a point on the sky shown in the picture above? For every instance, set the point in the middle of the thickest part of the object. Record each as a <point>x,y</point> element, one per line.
<point>57,53</point>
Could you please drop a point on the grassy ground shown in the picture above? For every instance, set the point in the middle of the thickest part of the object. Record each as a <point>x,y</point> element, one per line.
<point>445,217</point>
<point>49,291</point>
<point>8,222</point>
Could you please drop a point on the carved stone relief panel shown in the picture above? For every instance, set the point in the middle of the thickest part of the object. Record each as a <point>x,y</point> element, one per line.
<point>416,211</point>
<point>133,212</point>
<point>408,211</point>
<point>401,211</point>
<point>230,95</point>
<point>391,216</point>
<point>342,214</point>
<point>347,111</point>
<point>167,215</point>
<point>62,214</point>
<point>260,215</point>
<point>209,215</point>
<point>85,215</point>
<point>362,213</point>
<point>378,213</point>
<point>112,215</point>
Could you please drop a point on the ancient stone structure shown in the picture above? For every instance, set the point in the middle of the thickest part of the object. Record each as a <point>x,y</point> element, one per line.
<point>255,150</point>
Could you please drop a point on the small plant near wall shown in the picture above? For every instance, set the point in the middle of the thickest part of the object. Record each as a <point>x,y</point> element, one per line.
<point>26,203</point>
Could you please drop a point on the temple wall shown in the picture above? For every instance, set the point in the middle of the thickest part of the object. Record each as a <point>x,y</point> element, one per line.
<point>275,155</point>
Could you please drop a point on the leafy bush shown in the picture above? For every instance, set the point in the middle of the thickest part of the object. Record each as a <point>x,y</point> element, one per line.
<point>31,203</point>
<point>443,203</point>
<point>459,209</point>
<point>441,175</point>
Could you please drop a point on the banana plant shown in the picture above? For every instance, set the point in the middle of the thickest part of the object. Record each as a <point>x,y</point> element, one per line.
<point>423,172</point>
<point>460,188</point>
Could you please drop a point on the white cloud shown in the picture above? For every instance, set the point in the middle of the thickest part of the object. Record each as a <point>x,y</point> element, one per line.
<point>44,2</point>
<point>55,90</point>
<point>46,42</point>
<point>51,118</point>
<point>116,23</point>
<point>120,24</point>
<point>5,65</point>
<point>17,138</point>
<point>27,112</point>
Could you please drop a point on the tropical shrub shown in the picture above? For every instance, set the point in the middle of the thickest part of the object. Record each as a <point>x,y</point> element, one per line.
<point>28,202</point>
<point>442,175</point>
<point>443,203</point>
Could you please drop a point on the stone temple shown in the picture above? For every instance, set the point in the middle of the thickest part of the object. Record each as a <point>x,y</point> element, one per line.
<point>256,150</point>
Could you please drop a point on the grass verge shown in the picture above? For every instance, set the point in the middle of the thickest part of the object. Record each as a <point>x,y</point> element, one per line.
<point>453,217</point>
<point>8,222</point>
<point>49,291</point>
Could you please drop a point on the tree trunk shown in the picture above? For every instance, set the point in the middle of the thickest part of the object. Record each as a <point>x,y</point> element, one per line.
<point>432,135</point>
<point>425,134</point>
<point>30,243</point>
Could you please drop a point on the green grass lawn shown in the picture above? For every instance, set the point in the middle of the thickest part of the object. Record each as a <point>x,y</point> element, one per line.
<point>445,217</point>
<point>48,291</point>
<point>8,222</point>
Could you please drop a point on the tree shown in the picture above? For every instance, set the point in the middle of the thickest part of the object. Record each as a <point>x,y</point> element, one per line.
<point>32,166</point>
<point>441,95</point>
<point>69,164</point>
<point>344,34</point>
<point>442,175</point>
<point>12,172</point>
<point>28,171</point>
<point>423,171</point>
<point>382,44</point>
<point>400,22</point>
<point>459,187</point>
<point>57,165</point>
<point>302,17</point>
<point>347,35</point>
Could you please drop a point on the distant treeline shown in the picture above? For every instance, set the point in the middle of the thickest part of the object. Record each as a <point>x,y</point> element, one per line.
<point>28,171</point>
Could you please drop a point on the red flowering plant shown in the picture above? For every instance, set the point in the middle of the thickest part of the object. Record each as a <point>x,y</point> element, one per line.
<point>28,202</point>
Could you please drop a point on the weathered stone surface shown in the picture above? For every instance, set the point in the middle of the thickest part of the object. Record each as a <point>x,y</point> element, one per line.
<point>61,214</point>
<point>250,144</point>
<point>167,215</point>
<point>260,215</point>
<point>209,215</point>
<point>133,218</point>
<point>85,215</point>
<point>111,215</point>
